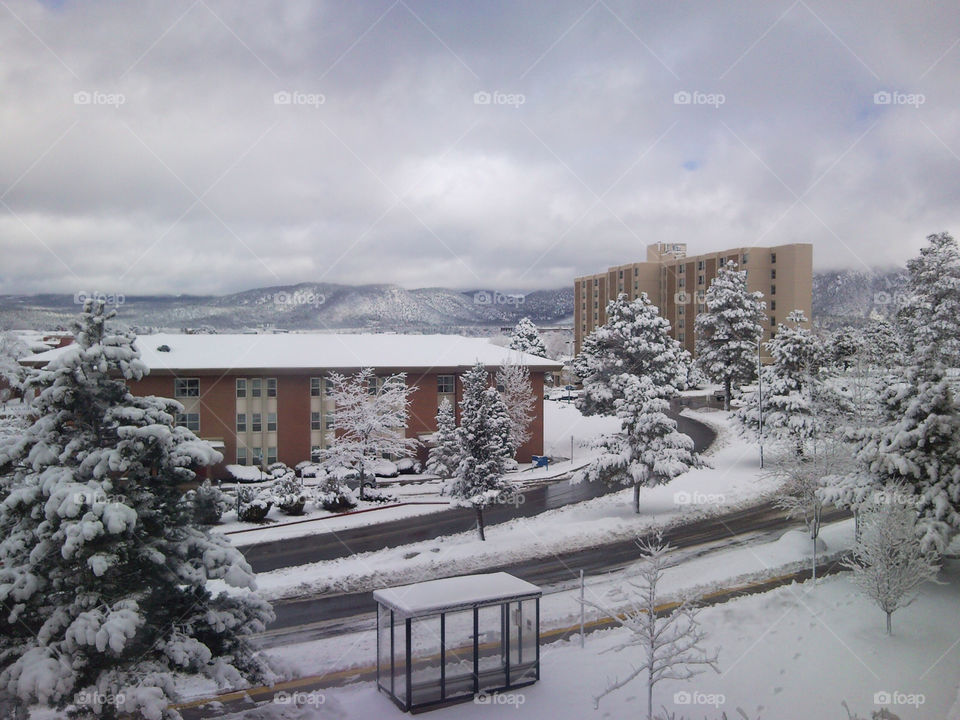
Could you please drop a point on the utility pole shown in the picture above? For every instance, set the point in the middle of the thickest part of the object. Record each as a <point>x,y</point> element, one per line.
<point>760,400</point>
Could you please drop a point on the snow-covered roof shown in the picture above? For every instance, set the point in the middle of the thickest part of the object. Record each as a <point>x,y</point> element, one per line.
<point>434,596</point>
<point>319,351</point>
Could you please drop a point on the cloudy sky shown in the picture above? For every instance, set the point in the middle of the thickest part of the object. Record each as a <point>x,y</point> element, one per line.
<point>207,146</point>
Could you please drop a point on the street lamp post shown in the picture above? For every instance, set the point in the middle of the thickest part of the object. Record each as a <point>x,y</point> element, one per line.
<point>760,401</point>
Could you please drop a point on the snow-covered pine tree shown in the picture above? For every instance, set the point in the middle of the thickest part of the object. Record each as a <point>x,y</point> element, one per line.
<point>729,330</point>
<point>931,314</point>
<point>484,439</point>
<point>635,341</point>
<point>444,456</point>
<point>526,338</point>
<point>792,385</point>
<point>881,344</point>
<point>369,421</point>
<point>103,572</point>
<point>889,563</point>
<point>663,646</point>
<point>513,383</point>
<point>649,450</point>
<point>843,345</point>
<point>12,373</point>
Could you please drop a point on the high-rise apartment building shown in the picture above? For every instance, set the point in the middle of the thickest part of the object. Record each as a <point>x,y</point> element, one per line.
<point>676,284</point>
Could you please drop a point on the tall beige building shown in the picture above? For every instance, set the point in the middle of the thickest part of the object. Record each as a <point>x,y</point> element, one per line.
<point>676,284</point>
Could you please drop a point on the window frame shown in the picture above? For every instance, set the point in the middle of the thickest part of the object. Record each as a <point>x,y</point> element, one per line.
<point>241,387</point>
<point>186,387</point>
<point>241,422</point>
<point>256,422</point>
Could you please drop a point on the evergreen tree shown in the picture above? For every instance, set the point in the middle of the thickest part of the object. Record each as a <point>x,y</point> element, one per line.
<point>634,342</point>
<point>729,330</point>
<point>484,439</point>
<point>103,570</point>
<point>881,344</point>
<point>444,456</point>
<point>931,314</point>
<point>526,338</point>
<point>649,450</point>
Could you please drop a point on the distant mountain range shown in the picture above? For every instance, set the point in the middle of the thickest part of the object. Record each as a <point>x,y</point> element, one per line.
<point>839,297</point>
<point>307,306</point>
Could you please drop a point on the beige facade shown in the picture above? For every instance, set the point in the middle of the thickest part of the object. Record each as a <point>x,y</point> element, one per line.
<point>676,284</point>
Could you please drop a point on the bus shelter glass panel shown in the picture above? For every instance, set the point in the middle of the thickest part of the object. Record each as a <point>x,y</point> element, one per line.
<point>492,647</point>
<point>523,641</point>
<point>399,659</point>
<point>383,648</point>
<point>458,670</point>
<point>425,666</point>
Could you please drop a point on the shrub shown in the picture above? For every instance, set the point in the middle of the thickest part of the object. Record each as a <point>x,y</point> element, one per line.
<point>253,505</point>
<point>207,503</point>
<point>291,496</point>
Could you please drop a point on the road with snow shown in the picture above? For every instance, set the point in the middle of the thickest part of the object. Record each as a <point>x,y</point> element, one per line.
<point>312,618</point>
<point>264,557</point>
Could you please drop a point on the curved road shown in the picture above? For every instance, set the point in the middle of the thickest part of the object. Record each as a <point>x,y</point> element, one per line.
<point>264,557</point>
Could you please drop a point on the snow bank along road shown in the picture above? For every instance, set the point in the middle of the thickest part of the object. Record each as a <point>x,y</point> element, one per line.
<point>316,617</point>
<point>331,545</point>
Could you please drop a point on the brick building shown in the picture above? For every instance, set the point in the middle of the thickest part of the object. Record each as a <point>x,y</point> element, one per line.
<point>676,284</point>
<point>263,398</point>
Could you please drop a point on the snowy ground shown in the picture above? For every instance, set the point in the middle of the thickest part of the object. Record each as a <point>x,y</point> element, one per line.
<point>794,653</point>
<point>734,481</point>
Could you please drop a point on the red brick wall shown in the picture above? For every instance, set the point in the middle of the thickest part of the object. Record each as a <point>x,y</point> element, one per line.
<point>293,418</point>
<point>534,446</point>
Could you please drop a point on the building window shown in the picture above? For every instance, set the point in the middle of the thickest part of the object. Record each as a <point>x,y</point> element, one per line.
<point>773,289</point>
<point>186,387</point>
<point>328,385</point>
<point>773,304</point>
<point>621,275</point>
<point>271,455</point>
<point>315,422</point>
<point>680,310</point>
<point>745,256</point>
<point>682,282</point>
<point>680,337</point>
<point>315,452</point>
<point>701,308</point>
<point>773,258</point>
<point>314,387</point>
<point>255,387</point>
<point>241,455</point>
<point>699,264</point>
<point>372,385</point>
<point>329,424</point>
<point>191,421</point>
<point>681,269</point>
<point>773,321</point>
<point>241,422</point>
<point>773,274</point>
<point>700,280</point>
<point>681,324</point>
<point>636,272</point>
<point>256,423</point>
<point>241,387</point>
<point>271,387</point>
<point>271,422</point>
<point>446,384</point>
<point>258,456</point>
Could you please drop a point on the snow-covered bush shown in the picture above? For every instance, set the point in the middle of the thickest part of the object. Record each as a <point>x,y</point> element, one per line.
<point>207,502</point>
<point>253,504</point>
<point>409,466</point>
<point>290,494</point>
<point>333,494</point>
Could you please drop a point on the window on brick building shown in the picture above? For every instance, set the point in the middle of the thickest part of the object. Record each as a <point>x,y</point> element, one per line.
<point>191,421</point>
<point>271,422</point>
<point>186,387</point>
<point>271,387</point>
<point>256,423</point>
<point>446,384</point>
<point>315,421</point>
<point>241,422</point>
<point>256,387</point>
<point>241,387</point>
<point>241,455</point>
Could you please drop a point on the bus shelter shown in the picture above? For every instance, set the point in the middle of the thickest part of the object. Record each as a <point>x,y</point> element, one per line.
<point>444,641</point>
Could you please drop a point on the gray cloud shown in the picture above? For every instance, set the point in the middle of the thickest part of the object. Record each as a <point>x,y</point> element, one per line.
<point>199,181</point>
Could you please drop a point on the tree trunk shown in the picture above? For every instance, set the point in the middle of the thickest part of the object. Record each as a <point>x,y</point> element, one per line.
<point>889,623</point>
<point>636,499</point>
<point>649,698</point>
<point>363,477</point>
<point>726,394</point>
<point>814,559</point>
<point>480,522</point>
